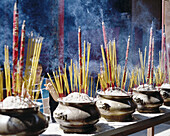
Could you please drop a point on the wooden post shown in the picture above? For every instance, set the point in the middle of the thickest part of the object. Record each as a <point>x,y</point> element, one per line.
<point>150,131</point>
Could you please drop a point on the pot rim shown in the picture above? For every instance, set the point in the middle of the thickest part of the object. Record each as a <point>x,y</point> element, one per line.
<point>93,101</point>
<point>114,96</point>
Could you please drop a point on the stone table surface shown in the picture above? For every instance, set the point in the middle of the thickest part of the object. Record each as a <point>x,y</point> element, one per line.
<point>103,125</point>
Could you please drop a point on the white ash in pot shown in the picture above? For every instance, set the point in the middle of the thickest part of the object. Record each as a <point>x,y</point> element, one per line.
<point>114,92</point>
<point>16,102</point>
<point>165,85</point>
<point>77,97</point>
<point>145,87</point>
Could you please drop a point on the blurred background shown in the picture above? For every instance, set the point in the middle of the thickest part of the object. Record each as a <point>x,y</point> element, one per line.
<point>58,21</point>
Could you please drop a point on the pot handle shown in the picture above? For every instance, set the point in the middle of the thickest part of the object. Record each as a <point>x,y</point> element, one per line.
<point>165,94</point>
<point>105,106</point>
<point>139,100</point>
<point>61,115</point>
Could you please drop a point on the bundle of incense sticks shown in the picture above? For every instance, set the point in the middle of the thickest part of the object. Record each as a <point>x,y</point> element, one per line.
<point>38,89</point>
<point>161,74</point>
<point>61,78</point>
<point>111,73</point>
<point>108,55</point>
<point>30,50</point>
<point>7,71</point>
<point>140,72</point>
<point>131,82</point>
<point>30,82</point>
<point>1,85</point>
<point>142,63</point>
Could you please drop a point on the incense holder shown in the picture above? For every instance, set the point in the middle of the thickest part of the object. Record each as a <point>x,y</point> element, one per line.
<point>115,105</point>
<point>76,115</point>
<point>22,121</point>
<point>148,99</point>
<point>165,93</point>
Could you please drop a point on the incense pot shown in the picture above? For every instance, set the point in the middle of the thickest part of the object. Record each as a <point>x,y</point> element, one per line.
<point>27,121</point>
<point>148,99</point>
<point>165,93</point>
<point>115,105</point>
<point>77,116</point>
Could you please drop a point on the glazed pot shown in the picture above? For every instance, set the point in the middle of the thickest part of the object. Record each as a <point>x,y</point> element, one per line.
<point>165,93</point>
<point>148,101</point>
<point>116,107</point>
<point>26,122</point>
<point>77,117</point>
<point>22,121</point>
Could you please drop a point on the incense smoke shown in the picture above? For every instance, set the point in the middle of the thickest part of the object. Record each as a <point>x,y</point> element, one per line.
<point>42,18</point>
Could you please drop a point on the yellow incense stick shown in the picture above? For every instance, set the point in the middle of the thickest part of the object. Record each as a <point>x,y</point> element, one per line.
<point>91,92</point>
<point>61,83</point>
<point>88,58</point>
<point>104,61</point>
<point>98,79</point>
<point>66,81</point>
<point>1,85</point>
<point>53,84</point>
<point>115,62</point>
<point>39,89</point>
<point>118,77</point>
<point>88,83</point>
<point>75,77</point>
<point>27,59</point>
<point>71,75</point>
<point>108,65</point>
<point>57,83</point>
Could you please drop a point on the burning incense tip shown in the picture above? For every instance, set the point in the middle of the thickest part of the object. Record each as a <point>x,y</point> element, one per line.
<point>23,25</point>
<point>16,5</point>
<point>79,29</point>
<point>102,22</point>
<point>152,24</point>
<point>31,33</point>
<point>129,37</point>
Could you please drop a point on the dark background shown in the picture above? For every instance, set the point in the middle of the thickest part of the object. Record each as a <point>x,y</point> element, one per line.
<point>121,17</point>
